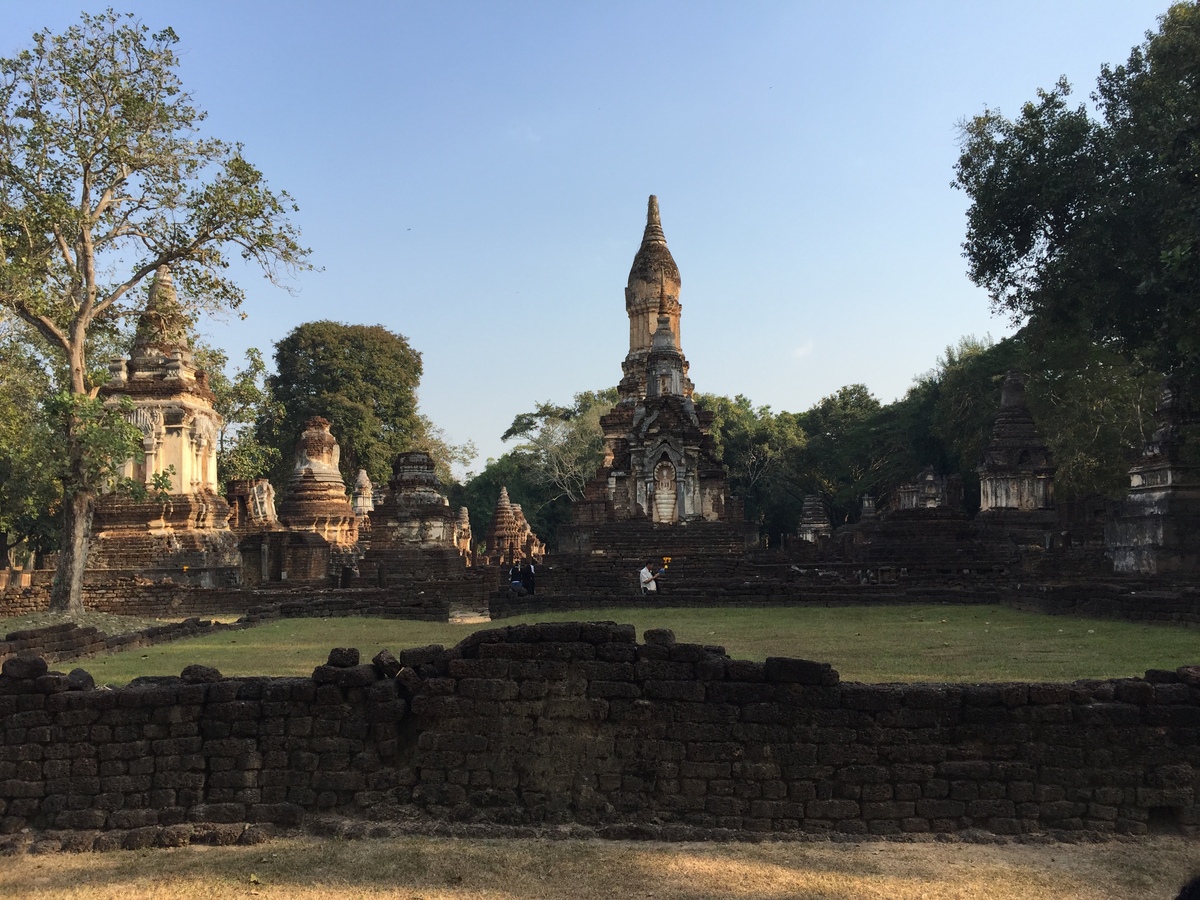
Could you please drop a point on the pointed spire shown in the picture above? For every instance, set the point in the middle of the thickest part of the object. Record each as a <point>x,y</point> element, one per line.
<point>653,232</point>
<point>163,325</point>
<point>162,289</point>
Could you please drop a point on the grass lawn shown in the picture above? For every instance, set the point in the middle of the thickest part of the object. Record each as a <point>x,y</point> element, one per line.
<point>447,869</point>
<point>871,644</point>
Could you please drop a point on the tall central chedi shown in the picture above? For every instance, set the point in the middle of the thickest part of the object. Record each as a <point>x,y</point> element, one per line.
<point>660,463</point>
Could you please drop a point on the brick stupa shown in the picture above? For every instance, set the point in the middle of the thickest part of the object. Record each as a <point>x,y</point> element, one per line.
<point>413,531</point>
<point>181,529</point>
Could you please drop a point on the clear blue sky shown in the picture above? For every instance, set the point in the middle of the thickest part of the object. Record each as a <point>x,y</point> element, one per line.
<point>473,175</point>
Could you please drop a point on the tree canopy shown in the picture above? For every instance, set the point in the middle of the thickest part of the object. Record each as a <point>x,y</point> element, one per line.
<point>1087,223</point>
<point>362,378</point>
<point>104,177</point>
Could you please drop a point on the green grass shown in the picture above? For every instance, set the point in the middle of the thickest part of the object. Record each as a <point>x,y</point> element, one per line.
<point>872,644</point>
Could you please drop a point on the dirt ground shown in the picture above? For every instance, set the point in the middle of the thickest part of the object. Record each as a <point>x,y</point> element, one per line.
<point>432,868</point>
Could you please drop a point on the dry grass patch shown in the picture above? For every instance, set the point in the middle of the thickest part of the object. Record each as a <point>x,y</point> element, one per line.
<point>106,622</point>
<point>448,869</point>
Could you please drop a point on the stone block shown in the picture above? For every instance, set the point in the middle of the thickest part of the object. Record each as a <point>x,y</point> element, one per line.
<point>198,674</point>
<point>799,671</point>
<point>343,657</point>
<point>24,667</point>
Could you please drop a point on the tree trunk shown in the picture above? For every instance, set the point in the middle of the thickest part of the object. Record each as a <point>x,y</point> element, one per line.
<point>67,592</point>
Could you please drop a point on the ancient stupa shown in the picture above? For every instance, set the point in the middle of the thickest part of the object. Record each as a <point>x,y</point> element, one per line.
<point>182,525</point>
<point>660,464</point>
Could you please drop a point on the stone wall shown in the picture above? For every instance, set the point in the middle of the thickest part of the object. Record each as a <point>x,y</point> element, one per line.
<point>577,723</point>
<point>166,600</point>
<point>1158,601</point>
<point>67,640</point>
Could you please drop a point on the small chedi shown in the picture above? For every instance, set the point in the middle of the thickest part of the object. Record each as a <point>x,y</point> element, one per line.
<point>510,539</point>
<point>316,499</point>
<point>1016,475</point>
<point>929,490</point>
<point>181,529</point>
<point>414,531</point>
<point>1156,528</point>
<point>363,501</point>
<point>814,519</point>
<point>926,528</point>
<point>321,537</point>
<point>660,466</point>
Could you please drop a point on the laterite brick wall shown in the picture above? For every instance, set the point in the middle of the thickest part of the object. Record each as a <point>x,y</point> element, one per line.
<point>578,723</point>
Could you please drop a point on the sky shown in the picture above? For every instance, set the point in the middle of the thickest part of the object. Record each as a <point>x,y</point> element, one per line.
<point>474,176</point>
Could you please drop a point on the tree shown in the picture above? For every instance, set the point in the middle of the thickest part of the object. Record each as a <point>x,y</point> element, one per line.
<point>840,458</point>
<point>754,445</point>
<point>543,507</point>
<point>1091,225</point>
<point>105,177</point>
<point>30,495</point>
<point>565,444</point>
<point>242,401</point>
<point>1094,410</point>
<point>362,378</point>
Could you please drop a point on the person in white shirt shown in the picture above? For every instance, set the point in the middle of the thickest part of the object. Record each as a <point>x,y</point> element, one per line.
<point>647,578</point>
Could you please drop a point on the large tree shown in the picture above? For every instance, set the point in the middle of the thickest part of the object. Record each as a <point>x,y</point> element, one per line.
<point>104,177</point>
<point>362,378</point>
<point>242,401</point>
<point>30,493</point>
<point>754,444</point>
<point>564,444</point>
<point>1089,224</point>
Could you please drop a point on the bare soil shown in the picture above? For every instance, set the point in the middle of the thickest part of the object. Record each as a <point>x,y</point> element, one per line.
<point>434,868</point>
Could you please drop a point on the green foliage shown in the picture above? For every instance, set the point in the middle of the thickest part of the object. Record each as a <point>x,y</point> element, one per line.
<point>544,507</point>
<point>756,445</point>
<point>242,401</point>
<point>101,159</point>
<point>362,378</point>
<point>560,450</point>
<point>30,493</point>
<point>564,444</point>
<point>1091,226</point>
<point>103,435</point>
<point>1094,409</point>
<point>841,459</point>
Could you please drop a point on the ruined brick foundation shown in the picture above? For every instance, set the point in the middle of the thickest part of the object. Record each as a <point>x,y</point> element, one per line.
<point>579,724</point>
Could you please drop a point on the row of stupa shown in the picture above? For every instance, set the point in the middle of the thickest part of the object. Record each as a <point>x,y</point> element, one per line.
<point>660,471</point>
<point>186,524</point>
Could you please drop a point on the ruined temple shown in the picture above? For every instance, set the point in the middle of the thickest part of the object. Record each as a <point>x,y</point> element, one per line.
<point>1017,468</point>
<point>815,522</point>
<point>929,490</point>
<point>1156,528</point>
<point>320,543</point>
<point>660,466</point>
<point>509,538</point>
<point>1016,476</point>
<point>414,530</point>
<point>363,500</point>
<point>181,527</point>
